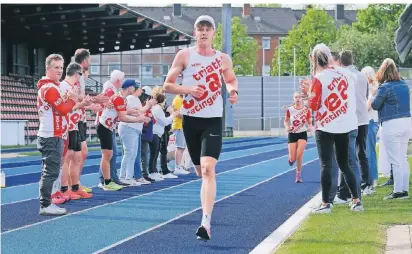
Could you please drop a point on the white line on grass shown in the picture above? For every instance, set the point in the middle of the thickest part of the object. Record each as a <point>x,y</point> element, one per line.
<point>284,231</point>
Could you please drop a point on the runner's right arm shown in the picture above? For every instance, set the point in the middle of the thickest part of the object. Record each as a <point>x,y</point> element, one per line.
<point>178,65</point>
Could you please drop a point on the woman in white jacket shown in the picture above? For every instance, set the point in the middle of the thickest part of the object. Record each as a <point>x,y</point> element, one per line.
<point>372,130</point>
<point>158,129</point>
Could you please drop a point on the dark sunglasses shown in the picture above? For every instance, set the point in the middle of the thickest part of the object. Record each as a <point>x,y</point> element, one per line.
<point>80,73</point>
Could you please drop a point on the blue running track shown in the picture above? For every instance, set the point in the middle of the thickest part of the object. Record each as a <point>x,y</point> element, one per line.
<point>256,194</point>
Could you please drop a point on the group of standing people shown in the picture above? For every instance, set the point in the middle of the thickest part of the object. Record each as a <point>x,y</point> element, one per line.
<point>350,106</point>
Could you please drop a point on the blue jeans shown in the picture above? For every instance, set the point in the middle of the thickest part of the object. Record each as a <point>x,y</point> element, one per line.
<point>113,169</point>
<point>138,161</point>
<point>145,150</point>
<point>130,140</point>
<point>353,163</point>
<point>371,149</point>
<point>335,176</point>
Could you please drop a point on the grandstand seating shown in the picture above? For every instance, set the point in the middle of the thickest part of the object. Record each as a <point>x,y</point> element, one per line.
<point>18,102</point>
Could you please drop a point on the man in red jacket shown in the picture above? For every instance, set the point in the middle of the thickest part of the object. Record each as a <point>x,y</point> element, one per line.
<point>52,107</point>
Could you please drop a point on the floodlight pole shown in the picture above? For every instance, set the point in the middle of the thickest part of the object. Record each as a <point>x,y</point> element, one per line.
<point>227,49</point>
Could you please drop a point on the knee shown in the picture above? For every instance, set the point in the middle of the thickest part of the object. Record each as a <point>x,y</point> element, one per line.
<point>107,155</point>
<point>208,170</point>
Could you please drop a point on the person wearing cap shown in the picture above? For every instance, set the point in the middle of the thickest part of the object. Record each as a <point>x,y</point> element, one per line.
<point>107,122</point>
<point>130,135</point>
<point>331,94</point>
<point>203,68</point>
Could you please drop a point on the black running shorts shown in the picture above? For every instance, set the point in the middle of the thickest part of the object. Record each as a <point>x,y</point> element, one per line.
<point>294,137</point>
<point>203,137</point>
<point>82,130</point>
<point>106,137</point>
<point>74,141</point>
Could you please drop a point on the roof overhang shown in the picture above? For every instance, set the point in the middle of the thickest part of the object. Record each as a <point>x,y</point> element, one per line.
<point>102,28</point>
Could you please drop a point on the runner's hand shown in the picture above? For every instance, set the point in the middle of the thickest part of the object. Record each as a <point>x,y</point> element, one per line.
<point>233,97</point>
<point>197,91</point>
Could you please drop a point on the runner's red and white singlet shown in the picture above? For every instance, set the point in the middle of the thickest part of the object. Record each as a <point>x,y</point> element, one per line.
<point>298,118</point>
<point>335,101</point>
<point>52,123</point>
<point>75,116</point>
<point>110,116</point>
<point>206,71</point>
<point>108,90</point>
<point>83,113</point>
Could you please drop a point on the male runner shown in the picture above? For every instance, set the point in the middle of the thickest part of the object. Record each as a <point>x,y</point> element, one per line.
<point>203,68</point>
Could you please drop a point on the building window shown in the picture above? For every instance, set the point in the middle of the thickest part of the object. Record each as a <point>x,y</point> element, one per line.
<point>146,71</point>
<point>165,69</point>
<point>265,42</point>
<point>111,66</point>
<point>266,70</point>
<point>95,67</point>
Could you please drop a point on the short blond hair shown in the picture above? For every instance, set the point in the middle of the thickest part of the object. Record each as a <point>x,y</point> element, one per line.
<point>53,57</point>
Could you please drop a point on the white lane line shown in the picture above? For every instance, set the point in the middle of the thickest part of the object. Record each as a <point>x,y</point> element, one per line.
<point>194,210</point>
<point>276,149</point>
<point>133,197</point>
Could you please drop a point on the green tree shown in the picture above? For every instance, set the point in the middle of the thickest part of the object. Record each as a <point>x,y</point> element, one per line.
<point>367,49</point>
<point>379,17</point>
<point>268,5</point>
<point>244,48</point>
<point>316,26</point>
<point>379,20</point>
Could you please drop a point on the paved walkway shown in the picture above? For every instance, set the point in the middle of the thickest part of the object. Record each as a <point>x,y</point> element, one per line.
<point>399,240</point>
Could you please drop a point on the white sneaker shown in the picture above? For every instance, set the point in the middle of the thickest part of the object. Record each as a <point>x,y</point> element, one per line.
<point>52,209</point>
<point>339,201</point>
<point>143,181</point>
<point>131,182</point>
<point>323,209</point>
<point>158,175</point>
<point>155,177</point>
<point>170,176</point>
<point>180,171</point>
<point>368,191</point>
<point>100,185</point>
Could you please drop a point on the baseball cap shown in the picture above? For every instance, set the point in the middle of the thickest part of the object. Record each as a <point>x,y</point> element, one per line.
<point>130,82</point>
<point>147,90</point>
<point>206,18</point>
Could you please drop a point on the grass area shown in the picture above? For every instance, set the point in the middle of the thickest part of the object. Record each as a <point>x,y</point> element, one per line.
<point>35,153</point>
<point>344,231</point>
<point>18,146</point>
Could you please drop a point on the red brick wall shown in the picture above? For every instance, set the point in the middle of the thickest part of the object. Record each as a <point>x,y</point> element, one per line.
<point>268,52</point>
